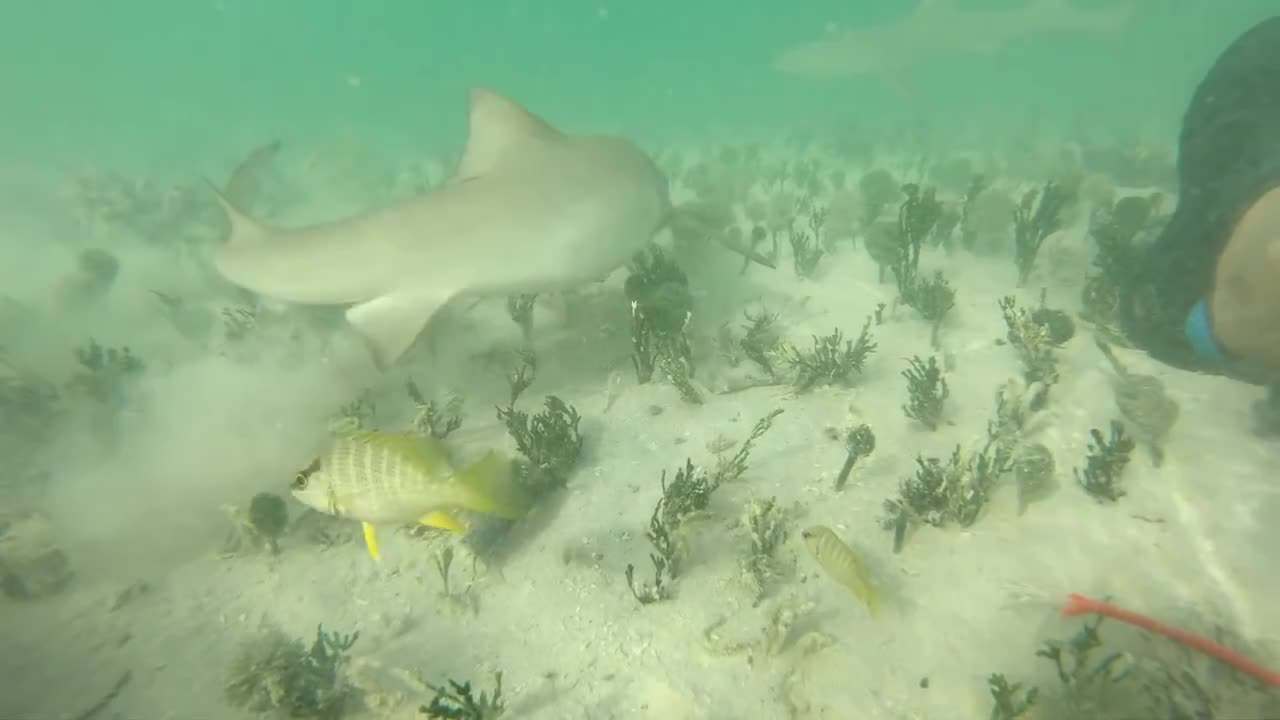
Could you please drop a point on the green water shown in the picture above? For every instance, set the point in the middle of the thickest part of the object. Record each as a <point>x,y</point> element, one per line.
<point>112,111</point>
<point>167,79</point>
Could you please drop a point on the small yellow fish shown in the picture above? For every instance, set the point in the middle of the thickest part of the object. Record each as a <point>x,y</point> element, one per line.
<point>842,564</point>
<point>399,478</point>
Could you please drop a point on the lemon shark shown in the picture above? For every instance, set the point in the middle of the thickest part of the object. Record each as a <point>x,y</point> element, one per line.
<point>529,209</point>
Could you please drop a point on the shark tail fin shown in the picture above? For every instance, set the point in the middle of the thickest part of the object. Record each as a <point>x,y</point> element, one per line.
<point>245,230</point>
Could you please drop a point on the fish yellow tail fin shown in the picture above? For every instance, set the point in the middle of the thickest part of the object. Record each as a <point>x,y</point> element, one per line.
<point>490,487</point>
<point>872,602</point>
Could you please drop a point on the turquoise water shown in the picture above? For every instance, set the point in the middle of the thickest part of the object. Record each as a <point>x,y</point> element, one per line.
<point>165,78</point>
<point>112,113</point>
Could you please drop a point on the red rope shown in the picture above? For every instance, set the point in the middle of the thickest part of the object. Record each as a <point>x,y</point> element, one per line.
<point>1080,605</point>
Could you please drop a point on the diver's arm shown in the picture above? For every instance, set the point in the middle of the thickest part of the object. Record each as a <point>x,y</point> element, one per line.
<point>1228,158</point>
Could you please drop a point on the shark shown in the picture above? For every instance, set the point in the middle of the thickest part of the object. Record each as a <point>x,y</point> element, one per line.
<point>936,29</point>
<point>529,209</point>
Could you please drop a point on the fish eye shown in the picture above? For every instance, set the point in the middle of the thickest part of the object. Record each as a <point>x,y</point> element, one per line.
<point>304,476</point>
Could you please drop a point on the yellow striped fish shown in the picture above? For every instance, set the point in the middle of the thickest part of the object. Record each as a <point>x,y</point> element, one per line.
<point>842,564</point>
<point>400,478</point>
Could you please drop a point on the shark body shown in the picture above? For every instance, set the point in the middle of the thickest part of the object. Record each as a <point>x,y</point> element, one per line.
<point>937,29</point>
<point>530,209</point>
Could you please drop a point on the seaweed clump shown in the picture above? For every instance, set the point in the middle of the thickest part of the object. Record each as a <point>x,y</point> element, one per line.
<point>356,416</point>
<point>30,408</point>
<point>105,372</point>
<point>1105,463</point>
<point>978,184</point>
<point>661,307</point>
<point>859,442</point>
<point>934,297</point>
<point>1102,683</point>
<point>1076,668</point>
<point>945,492</point>
<point>1038,216</point>
<point>1011,701</point>
<point>807,247</point>
<point>1090,687</point>
<point>432,418</point>
<point>832,360</point>
<point>687,495</point>
<point>767,530</point>
<point>457,701</point>
<point>926,392</point>
<point>32,565</point>
<point>917,217</point>
<point>179,216</point>
<point>275,673</point>
<point>1035,348</point>
<point>761,340</point>
<point>520,309</point>
<point>549,440</point>
<point>1116,259</point>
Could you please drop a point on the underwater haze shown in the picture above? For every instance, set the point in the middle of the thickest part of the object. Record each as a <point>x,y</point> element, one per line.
<point>600,360</point>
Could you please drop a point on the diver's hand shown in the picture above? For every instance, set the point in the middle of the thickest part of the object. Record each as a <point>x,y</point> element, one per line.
<point>1244,306</point>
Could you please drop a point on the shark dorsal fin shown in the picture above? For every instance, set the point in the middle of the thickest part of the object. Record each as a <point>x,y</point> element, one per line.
<point>497,126</point>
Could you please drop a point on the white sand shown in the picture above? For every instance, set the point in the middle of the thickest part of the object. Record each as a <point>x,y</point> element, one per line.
<point>556,616</point>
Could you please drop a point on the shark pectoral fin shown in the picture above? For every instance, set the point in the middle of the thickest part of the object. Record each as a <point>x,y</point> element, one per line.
<point>371,541</point>
<point>390,323</point>
<point>444,521</point>
<point>490,487</point>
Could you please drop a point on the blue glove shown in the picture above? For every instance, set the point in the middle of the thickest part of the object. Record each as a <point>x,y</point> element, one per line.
<point>1199,333</point>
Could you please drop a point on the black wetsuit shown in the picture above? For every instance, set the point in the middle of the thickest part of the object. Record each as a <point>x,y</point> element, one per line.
<point>1228,157</point>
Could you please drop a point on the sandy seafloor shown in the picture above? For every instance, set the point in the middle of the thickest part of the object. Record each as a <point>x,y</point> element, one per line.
<point>556,615</point>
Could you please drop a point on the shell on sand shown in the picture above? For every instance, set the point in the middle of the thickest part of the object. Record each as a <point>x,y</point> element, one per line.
<point>1144,403</point>
<point>1033,471</point>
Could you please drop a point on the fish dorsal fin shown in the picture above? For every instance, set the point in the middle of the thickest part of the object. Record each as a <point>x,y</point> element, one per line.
<point>423,451</point>
<point>245,230</point>
<point>497,127</point>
